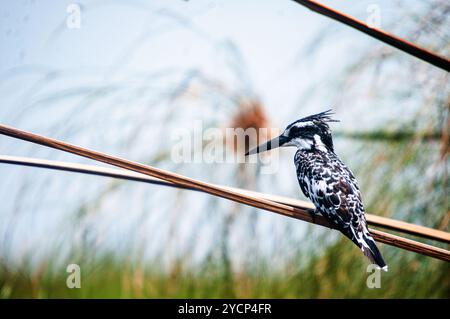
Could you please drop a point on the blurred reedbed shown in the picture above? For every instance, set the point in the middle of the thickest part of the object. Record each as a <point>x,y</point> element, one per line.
<point>135,240</point>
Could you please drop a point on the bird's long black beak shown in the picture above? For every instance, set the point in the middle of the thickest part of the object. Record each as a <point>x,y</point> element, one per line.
<point>273,143</point>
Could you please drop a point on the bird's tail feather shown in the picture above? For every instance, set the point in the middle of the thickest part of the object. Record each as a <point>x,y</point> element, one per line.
<point>369,248</point>
<point>373,253</point>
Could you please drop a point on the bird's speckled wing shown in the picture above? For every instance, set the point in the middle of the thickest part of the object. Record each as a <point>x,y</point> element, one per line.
<point>332,188</point>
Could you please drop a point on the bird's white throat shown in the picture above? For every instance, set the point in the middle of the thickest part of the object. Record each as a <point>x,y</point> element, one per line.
<point>307,144</point>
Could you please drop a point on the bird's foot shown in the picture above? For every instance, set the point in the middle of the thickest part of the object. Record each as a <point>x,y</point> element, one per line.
<point>312,213</point>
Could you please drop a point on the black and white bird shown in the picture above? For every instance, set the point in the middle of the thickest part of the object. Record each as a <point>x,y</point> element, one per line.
<point>326,180</point>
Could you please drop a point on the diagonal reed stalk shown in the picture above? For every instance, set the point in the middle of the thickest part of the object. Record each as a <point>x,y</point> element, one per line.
<point>219,191</point>
<point>395,41</point>
<point>378,221</point>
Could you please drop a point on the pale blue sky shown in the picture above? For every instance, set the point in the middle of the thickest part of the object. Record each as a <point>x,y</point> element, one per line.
<point>118,38</point>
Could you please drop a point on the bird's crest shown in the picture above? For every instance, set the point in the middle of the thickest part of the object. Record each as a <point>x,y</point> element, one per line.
<point>316,124</point>
<point>325,116</point>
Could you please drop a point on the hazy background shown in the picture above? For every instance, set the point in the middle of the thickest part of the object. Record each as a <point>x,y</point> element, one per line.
<point>136,71</point>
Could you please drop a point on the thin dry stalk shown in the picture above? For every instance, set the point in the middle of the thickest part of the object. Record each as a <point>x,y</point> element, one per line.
<point>219,191</point>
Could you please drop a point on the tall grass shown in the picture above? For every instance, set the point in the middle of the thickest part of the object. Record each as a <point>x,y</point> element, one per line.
<point>338,273</point>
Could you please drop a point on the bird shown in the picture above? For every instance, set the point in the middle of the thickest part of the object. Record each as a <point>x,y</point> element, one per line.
<point>326,180</point>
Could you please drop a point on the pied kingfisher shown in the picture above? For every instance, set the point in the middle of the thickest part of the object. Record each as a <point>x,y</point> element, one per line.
<point>326,180</point>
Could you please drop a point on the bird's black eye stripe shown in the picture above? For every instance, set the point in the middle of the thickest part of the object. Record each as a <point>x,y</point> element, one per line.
<point>305,131</point>
<point>294,131</point>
